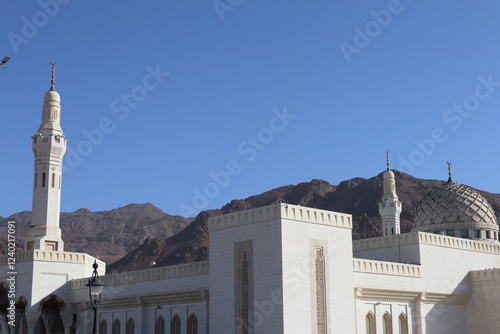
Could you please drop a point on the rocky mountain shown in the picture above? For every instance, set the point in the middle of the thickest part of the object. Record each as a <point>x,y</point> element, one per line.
<point>109,235</point>
<point>137,235</point>
<point>357,196</point>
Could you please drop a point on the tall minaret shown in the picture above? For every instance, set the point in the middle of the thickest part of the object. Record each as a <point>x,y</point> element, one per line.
<point>49,146</point>
<point>390,207</point>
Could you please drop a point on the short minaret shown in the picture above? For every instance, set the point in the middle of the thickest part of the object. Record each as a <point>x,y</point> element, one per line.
<point>49,146</point>
<point>390,206</point>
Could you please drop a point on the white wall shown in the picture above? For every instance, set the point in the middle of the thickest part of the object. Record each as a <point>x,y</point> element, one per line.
<point>299,239</point>
<point>267,276</point>
<point>483,307</point>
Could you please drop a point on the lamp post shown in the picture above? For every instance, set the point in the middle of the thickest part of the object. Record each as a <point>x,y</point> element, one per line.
<point>6,59</point>
<point>95,289</point>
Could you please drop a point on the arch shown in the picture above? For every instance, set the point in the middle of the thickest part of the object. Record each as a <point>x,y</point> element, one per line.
<point>103,327</point>
<point>130,327</point>
<point>115,328</point>
<point>387,324</point>
<point>370,323</point>
<point>61,304</point>
<point>160,325</point>
<point>403,324</point>
<point>22,300</point>
<point>50,320</point>
<point>175,325</point>
<point>21,321</point>
<point>192,324</point>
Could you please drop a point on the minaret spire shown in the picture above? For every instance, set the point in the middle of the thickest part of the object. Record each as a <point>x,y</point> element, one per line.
<point>390,207</point>
<point>450,178</point>
<point>53,81</point>
<point>388,164</point>
<point>49,146</point>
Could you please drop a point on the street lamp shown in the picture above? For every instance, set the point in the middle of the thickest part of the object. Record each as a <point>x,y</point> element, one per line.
<point>95,289</point>
<point>6,59</point>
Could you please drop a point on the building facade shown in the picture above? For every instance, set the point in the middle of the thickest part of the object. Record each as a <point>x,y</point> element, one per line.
<point>280,268</point>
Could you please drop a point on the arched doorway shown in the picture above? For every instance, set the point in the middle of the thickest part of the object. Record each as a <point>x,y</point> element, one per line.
<point>50,317</point>
<point>21,322</point>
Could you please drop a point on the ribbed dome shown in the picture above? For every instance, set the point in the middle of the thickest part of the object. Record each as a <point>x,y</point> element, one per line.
<point>456,204</point>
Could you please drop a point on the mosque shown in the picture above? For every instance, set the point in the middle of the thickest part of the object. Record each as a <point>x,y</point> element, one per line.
<point>280,268</point>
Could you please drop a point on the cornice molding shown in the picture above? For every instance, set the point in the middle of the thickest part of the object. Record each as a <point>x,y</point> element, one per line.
<point>178,297</point>
<point>426,297</point>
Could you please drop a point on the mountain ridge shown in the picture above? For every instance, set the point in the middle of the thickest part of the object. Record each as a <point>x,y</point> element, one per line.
<point>109,235</point>
<point>358,197</point>
<point>136,236</point>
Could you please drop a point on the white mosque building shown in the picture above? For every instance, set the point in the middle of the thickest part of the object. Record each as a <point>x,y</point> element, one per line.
<point>276,269</point>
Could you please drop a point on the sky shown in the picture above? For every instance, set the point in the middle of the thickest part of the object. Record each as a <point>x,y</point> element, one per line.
<point>191,104</point>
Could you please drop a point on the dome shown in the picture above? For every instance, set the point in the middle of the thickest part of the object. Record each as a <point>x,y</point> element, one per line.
<point>389,174</point>
<point>51,96</point>
<point>454,206</point>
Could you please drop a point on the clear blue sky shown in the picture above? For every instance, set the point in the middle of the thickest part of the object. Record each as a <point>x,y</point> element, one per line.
<point>190,104</point>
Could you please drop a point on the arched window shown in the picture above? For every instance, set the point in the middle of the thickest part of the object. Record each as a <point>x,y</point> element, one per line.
<point>370,323</point>
<point>130,326</point>
<point>116,327</point>
<point>160,325</point>
<point>53,180</point>
<point>103,327</point>
<point>403,324</point>
<point>192,325</point>
<point>387,324</point>
<point>175,325</point>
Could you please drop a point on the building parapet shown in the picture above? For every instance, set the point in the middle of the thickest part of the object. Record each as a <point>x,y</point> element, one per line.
<point>53,256</point>
<point>458,243</point>
<point>152,274</point>
<point>383,242</point>
<point>386,268</point>
<point>426,239</point>
<point>486,275</point>
<point>280,211</point>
